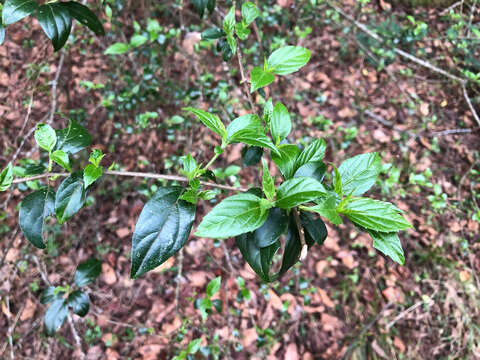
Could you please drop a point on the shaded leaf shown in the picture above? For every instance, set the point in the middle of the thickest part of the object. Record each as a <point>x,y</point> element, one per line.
<point>56,22</point>
<point>55,316</point>
<point>315,229</point>
<point>87,272</point>
<point>85,16</point>
<point>70,197</point>
<point>79,302</point>
<point>73,138</point>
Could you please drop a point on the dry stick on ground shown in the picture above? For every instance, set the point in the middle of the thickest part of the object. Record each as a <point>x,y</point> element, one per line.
<point>463,82</point>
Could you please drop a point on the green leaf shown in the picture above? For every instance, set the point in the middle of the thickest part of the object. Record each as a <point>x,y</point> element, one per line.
<point>33,211</point>
<point>79,302</point>
<point>213,34</point>
<point>251,155</point>
<point>287,60</point>
<point>73,138</point>
<point>70,197</point>
<point>16,10</point>
<point>55,316</point>
<point>56,22</point>
<point>117,49</point>
<point>232,42</point>
<point>337,182</point>
<point>248,129</point>
<point>46,137</point>
<point>213,286</point>
<point>314,169</point>
<point>389,244</point>
<point>297,191</point>
<point>211,121</point>
<point>268,112</point>
<point>242,31</point>
<point>286,160</point>
<point>211,5</point>
<point>259,259</point>
<point>48,295</point>
<point>85,16</point>
<point>328,209</point>
<point>2,34</point>
<point>313,152</point>
<point>272,228</point>
<point>281,125</point>
<point>229,22</point>
<point>138,40</point>
<point>61,158</point>
<point>96,157</point>
<point>6,177</point>
<point>268,184</point>
<point>87,272</point>
<point>260,78</point>
<point>162,229</point>
<point>293,246</point>
<point>91,173</point>
<point>374,215</point>
<point>193,346</point>
<point>235,215</point>
<point>200,6</point>
<point>315,229</point>
<point>249,12</point>
<point>189,166</point>
<point>359,173</point>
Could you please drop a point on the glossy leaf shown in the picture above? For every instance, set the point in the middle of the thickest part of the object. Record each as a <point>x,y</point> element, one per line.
<point>162,229</point>
<point>249,12</point>
<point>85,16</point>
<point>61,158</point>
<point>315,229</point>
<point>337,182</point>
<point>293,246</point>
<point>211,121</point>
<point>16,10</point>
<point>251,155</point>
<point>286,159</point>
<point>138,40</point>
<point>314,169</point>
<point>117,49</point>
<point>287,59</point>
<point>327,208</point>
<point>87,272</point>
<point>213,286</point>
<point>6,177</point>
<point>45,137</point>
<point>70,197</point>
<point>56,22</point>
<point>268,184</point>
<point>33,211</point>
<point>260,78</point>
<point>91,173</point>
<point>272,228</point>
<point>235,215</point>
<point>242,31</point>
<point>48,295</point>
<point>359,173</point>
<point>281,125</point>
<point>55,316</point>
<point>297,191</point>
<point>73,138</point>
<point>229,22</point>
<point>389,244</point>
<point>375,215</point>
<point>213,34</point>
<point>79,302</point>
<point>312,153</point>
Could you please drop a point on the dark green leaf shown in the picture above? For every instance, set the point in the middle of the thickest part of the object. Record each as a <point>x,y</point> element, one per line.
<point>359,173</point>
<point>200,6</point>
<point>73,138</point>
<point>272,228</point>
<point>286,160</point>
<point>297,191</point>
<point>45,137</point>
<point>260,78</point>
<point>287,59</point>
<point>55,316</point>
<point>162,229</point>
<point>328,209</point>
<point>281,125</point>
<point>389,244</point>
<point>315,229</point>
<point>15,10</point>
<point>91,173</point>
<point>213,286</point>
<point>235,215</point>
<point>70,197</point>
<point>61,158</point>
<point>211,121</point>
<point>312,153</point>
<point>293,246</point>
<point>251,155</point>
<point>375,215</point>
<point>211,5</point>
<point>33,211</point>
<point>314,169</point>
<point>56,22</point>
<point>85,16</point>
<point>2,34</point>
<point>224,47</point>
<point>48,295</point>
<point>213,34</point>
<point>6,177</point>
<point>79,302</point>
<point>87,272</point>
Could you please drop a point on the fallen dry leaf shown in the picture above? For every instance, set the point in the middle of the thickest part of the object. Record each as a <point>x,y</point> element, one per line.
<point>291,353</point>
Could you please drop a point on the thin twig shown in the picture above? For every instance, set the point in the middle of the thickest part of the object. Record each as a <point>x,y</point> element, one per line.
<point>78,342</point>
<point>179,278</point>
<point>470,105</point>
<point>301,234</point>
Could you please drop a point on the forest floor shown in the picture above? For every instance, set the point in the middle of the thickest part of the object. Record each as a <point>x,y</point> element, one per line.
<point>346,299</point>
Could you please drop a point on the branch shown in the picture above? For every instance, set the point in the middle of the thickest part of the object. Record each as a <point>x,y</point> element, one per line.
<point>470,105</point>
<point>133,174</point>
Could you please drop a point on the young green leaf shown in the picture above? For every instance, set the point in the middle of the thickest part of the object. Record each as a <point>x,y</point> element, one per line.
<point>213,286</point>
<point>49,295</point>
<point>286,159</point>
<point>96,157</point>
<point>46,137</point>
<point>117,49</point>
<point>297,191</point>
<point>213,34</point>
<point>268,184</point>
<point>162,229</point>
<point>235,215</point>
<point>313,152</point>
<point>87,272</point>
<point>249,12</point>
<point>374,215</point>
<point>229,22</point>
<point>287,60</point>
<point>73,138</point>
<point>327,208</point>
<point>268,112</point>
<point>281,125</point>
<point>313,169</point>
<point>61,158</point>
<point>337,182</point>
<point>232,43</point>
<point>260,78</point>
<point>85,16</point>
<point>359,173</point>
<point>389,244</point>
<point>56,22</point>
<point>6,177</point>
<point>55,316</point>
<point>70,197</point>
<point>189,166</point>
<point>193,346</point>
<point>315,229</point>
<point>33,211</point>
<point>91,173</point>
<point>242,31</point>
<point>211,121</point>
<point>138,40</point>
<point>79,302</point>
<point>16,10</point>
